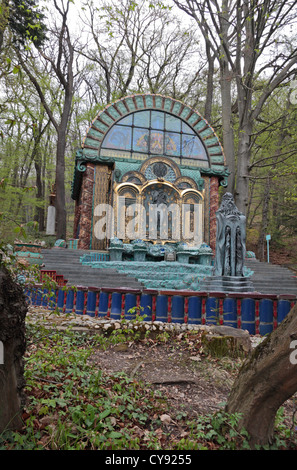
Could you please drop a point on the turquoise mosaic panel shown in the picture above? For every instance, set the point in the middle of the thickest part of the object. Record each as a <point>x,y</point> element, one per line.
<point>107,119</point>
<point>167,105</point>
<point>92,142</point>
<point>113,112</point>
<point>139,102</point>
<point>206,133</point>
<point>214,150</point>
<point>212,141</point>
<point>217,159</point>
<point>176,108</point>
<point>124,167</point>
<point>185,113</point>
<point>122,108</point>
<point>149,101</point>
<point>201,124</point>
<point>217,167</point>
<point>195,174</point>
<point>159,101</point>
<point>94,133</point>
<point>130,104</point>
<point>100,125</point>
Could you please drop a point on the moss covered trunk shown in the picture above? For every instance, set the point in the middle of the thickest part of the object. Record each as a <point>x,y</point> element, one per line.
<point>267,379</point>
<point>13,311</point>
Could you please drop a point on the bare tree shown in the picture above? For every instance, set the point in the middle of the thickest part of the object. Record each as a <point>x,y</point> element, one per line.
<point>241,35</point>
<point>137,48</point>
<point>199,11</point>
<point>59,55</point>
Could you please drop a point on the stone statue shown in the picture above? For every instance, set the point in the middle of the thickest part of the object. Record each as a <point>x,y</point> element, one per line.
<point>230,239</point>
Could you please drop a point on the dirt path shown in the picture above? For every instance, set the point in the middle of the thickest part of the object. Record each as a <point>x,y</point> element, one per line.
<point>191,383</point>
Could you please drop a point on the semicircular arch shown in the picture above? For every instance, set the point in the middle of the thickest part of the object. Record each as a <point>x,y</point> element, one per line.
<point>119,109</point>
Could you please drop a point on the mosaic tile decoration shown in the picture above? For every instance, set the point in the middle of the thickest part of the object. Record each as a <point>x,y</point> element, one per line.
<point>115,112</point>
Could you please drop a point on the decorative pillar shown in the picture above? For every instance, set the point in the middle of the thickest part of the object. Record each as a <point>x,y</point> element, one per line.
<point>86,206</point>
<point>102,180</point>
<point>214,206</point>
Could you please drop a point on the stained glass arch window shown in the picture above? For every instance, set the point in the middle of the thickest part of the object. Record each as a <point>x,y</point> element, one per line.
<point>155,132</point>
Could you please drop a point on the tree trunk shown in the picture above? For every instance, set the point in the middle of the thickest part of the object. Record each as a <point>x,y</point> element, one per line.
<point>13,310</point>
<point>39,214</point>
<point>226,80</point>
<point>228,134</point>
<point>60,186</point>
<point>243,162</point>
<point>39,166</point>
<point>210,87</point>
<point>264,222</point>
<point>267,379</point>
<point>60,155</point>
<point>64,73</point>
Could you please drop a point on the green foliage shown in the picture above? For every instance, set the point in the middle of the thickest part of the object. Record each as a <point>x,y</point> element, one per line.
<point>88,409</point>
<point>73,405</point>
<point>27,22</point>
<point>19,272</point>
<point>126,334</point>
<point>273,171</point>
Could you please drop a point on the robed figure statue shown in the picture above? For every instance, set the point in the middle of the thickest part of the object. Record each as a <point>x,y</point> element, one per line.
<point>230,239</point>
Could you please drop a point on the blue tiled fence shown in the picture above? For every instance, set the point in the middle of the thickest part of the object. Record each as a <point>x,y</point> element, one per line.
<point>257,313</point>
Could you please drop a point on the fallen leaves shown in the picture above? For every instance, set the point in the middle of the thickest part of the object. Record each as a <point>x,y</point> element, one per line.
<point>166,419</point>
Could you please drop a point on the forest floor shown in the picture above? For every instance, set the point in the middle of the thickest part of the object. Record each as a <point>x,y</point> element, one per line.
<point>193,382</point>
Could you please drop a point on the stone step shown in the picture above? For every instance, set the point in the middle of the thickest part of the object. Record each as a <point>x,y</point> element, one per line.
<point>266,278</point>
<point>227,284</point>
<point>67,262</point>
<point>271,281</point>
<point>268,267</point>
<point>271,272</point>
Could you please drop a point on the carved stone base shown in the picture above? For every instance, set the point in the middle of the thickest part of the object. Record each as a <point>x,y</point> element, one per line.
<point>227,284</point>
